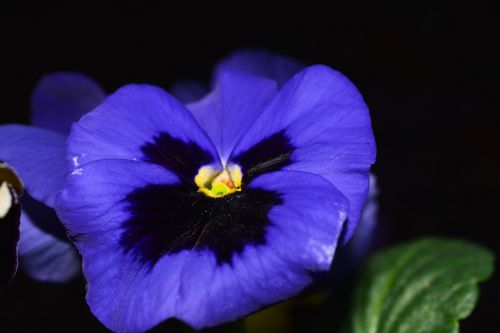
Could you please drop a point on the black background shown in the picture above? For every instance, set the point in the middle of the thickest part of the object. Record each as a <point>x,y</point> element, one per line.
<point>428,75</point>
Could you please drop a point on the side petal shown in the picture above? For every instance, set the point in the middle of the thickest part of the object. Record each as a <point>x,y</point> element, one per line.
<point>317,123</point>
<point>39,156</point>
<point>263,63</point>
<point>44,257</point>
<point>61,98</point>
<point>141,122</point>
<point>229,110</point>
<point>128,295</point>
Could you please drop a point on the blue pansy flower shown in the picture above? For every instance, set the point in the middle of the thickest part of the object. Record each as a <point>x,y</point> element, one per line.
<point>38,153</point>
<point>11,189</point>
<point>210,211</point>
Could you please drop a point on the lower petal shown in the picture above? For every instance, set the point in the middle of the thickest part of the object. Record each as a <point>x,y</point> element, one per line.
<point>301,239</point>
<point>130,293</point>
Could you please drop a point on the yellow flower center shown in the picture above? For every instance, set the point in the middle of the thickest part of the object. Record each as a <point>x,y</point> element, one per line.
<point>218,183</point>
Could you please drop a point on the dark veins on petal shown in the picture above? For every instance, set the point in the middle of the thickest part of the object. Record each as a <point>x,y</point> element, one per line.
<point>9,237</point>
<point>270,154</point>
<point>167,219</point>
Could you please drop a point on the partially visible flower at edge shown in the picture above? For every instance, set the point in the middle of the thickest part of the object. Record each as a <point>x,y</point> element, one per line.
<point>38,154</point>
<point>11,188</point>
<point>209,211</point>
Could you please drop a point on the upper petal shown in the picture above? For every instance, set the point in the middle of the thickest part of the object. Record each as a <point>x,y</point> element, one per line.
<point>317,123</point>
<point>229,110</point>
<point>188,91</point>
<point>142,122</point>
<point>263,63</point>
<point>61,98</point>
<point>39,156</point>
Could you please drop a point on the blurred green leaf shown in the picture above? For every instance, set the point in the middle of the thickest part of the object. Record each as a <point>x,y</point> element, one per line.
<point>426,286</point>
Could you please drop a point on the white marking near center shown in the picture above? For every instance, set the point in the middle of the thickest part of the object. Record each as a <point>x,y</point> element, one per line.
<point>5,200</point>
<point>77,172</point>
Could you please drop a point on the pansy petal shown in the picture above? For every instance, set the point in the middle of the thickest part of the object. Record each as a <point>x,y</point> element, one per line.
<point>300,239</point>
<point>130,293</point>
<point>188,91</point>
<point>317,123</point>
<point>93,209</point>
<point>10,213</point>
<point>229,110</point>
<point>43,256</point>
<point>39,156</point>
<point>263,63</point>
<point>61,98</point>
<point>142,122</point>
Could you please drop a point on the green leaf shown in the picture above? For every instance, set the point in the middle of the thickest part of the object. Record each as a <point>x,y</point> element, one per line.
<point>426,286</point>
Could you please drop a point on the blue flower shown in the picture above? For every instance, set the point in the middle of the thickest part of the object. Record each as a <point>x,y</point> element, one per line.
<point>209,211</point>
<point>38,153</point>
<point>10,214</point>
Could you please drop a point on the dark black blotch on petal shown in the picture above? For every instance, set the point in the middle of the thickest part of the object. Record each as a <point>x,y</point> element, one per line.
<point>271,154</point>
<point>43,217</point>
<point>9,238</point>
<point>168,219</point>
<point>182,158</point>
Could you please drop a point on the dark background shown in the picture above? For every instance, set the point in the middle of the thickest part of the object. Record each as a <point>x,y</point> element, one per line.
<point>428,74</point>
